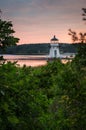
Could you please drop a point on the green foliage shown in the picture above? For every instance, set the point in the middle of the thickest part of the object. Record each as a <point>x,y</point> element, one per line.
<point>50,97</point>
<point>23,104</point>
<point>71,100</point>
<point>6,34</point>
<point>80,58</point>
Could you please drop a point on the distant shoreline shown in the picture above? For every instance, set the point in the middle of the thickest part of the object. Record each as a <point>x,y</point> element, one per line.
<point>34,57</point>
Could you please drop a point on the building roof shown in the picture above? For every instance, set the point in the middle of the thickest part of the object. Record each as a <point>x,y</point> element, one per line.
<point>54,38</point>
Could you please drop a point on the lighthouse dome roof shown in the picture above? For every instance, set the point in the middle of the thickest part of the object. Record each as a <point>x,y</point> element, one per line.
<point>54,38</point>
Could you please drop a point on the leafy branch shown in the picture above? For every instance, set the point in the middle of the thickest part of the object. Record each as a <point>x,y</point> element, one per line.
<point>80,37</point>
<point>84,14</point>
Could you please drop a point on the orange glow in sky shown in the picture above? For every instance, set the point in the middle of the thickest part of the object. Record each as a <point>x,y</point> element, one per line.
<point>37,21</point>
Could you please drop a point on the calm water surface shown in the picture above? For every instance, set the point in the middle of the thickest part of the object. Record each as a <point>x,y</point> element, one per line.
<point>28,60</point>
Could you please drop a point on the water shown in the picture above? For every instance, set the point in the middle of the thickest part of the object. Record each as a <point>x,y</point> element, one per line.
<point>30,60</point>
<point>27,60</point>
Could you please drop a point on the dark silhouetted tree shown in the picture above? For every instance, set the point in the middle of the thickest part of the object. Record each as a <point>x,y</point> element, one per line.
<point>6,34</point>
<point>77,37</point>
<point>84,14</point>
<point>80,38</point>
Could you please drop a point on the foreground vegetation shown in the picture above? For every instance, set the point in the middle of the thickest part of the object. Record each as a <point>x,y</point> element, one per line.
<point>50,97</point>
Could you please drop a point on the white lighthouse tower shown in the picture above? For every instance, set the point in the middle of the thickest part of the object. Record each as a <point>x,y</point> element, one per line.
<point>54,48</point>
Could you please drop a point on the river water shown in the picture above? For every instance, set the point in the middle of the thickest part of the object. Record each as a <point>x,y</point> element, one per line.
<point>28,60</point>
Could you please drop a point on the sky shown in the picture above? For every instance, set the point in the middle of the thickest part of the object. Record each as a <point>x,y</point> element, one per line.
<point>37,21</point>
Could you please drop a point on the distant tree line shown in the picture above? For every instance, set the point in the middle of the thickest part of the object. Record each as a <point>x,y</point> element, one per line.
<point>39,49</point>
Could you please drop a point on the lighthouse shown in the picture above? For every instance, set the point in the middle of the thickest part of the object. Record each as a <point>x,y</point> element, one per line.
<point>54,48</point>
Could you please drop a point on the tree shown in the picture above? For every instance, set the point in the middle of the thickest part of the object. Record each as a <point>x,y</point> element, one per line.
<point>77,37</point>
<point>6,34</point>
<point>23,105</point>
<point>84,13</point>
<point>80,38</point>
<point>71,108</point>
<point>80,58</point>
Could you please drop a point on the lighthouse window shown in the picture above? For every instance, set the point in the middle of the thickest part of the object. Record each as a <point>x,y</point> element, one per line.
<point>55,53</point>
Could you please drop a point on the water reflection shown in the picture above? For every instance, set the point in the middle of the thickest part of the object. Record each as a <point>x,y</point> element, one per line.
<point>29,60</point>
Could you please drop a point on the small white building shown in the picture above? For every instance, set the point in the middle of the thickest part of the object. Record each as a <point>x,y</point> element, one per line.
<point>54,48</point>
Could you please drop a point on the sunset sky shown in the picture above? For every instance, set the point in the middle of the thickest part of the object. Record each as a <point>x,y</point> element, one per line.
<point>36,21</point>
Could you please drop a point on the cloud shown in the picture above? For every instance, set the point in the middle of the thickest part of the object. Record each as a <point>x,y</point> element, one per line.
<point>43,17</point>
<point>41,8</point>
